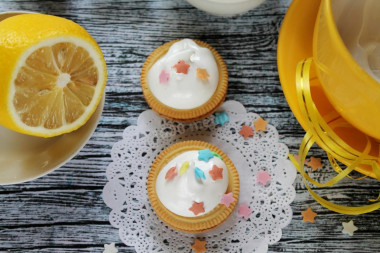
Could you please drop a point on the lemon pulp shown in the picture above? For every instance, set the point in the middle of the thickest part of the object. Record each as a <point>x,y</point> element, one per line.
<point>52,75</point>
<point>55,86</point>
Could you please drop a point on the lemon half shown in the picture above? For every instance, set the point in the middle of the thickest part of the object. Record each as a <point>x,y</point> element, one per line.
<point>52,75</point>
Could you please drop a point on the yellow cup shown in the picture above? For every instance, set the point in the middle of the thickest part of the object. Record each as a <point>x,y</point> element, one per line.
<point>350,89</point>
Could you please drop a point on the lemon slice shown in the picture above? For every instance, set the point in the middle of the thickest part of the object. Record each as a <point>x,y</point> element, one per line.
<point>52,75</point>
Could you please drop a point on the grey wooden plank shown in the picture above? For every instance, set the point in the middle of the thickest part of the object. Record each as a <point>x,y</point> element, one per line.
<point>61,237</point>
<point>74,249</point>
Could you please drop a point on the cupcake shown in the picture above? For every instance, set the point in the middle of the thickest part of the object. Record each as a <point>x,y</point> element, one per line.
<point>186,185</point>
<point>184,80</point>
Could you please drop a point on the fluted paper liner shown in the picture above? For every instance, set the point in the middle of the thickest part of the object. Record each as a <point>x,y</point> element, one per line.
<point>185,115</point>
<point>196,224</point>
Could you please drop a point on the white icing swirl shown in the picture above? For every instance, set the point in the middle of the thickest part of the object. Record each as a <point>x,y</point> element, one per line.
<point>179,193</point>
<point>184,91</point>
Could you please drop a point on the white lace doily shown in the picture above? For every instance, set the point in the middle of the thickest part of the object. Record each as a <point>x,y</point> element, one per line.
<point>125,192</point>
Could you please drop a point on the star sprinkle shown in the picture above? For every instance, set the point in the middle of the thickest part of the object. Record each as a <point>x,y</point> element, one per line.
<point>260,124</point>
<point>171,173</point>
<point>315,163</point>
<point>221,118</point>
<point>263,177</point>
<point>199,246</point>
<point>216,172</point>
<point>244,211</point>
<point>349,228</point>
<point>246,131</point>
<point>308,215</point>
<point>164,76</point>
<point>217,155</point>
<point>184,168</point>
<point>197,208</point>
<point>227,199</point>
<point>205,155</point>
<point>296,157</point>
<point>110,248</point>
<point>182,67</point>
<point>199,174</point>
<point>202,74</point>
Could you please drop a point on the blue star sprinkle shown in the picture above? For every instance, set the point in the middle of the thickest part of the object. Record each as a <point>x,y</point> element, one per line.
<point>205,155</point>
<point>199,174</point>
<point>221,118</point>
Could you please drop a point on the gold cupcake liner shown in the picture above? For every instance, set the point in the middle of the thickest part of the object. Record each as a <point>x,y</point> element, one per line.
<point>196,224</point>
<point>185,115</point>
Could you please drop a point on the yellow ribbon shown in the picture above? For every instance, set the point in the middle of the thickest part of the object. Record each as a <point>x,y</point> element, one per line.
<point>321,132</point>
<point>376,199</point>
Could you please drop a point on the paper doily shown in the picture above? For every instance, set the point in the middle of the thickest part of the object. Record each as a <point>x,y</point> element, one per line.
<point>125,192</point>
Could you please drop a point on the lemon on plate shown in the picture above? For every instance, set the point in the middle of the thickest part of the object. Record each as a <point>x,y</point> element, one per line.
<point>52,75</point>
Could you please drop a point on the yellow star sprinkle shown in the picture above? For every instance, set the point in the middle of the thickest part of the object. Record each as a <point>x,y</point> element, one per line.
<point>184,168</point>
<point>199,246</point>
<point>349,228</point>
<point>260,124</point>
<point>315,163</point>
<point>202,74</point>
<point>308,215</point>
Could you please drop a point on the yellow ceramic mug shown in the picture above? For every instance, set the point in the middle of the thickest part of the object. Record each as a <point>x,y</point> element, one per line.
<point>350,89</point>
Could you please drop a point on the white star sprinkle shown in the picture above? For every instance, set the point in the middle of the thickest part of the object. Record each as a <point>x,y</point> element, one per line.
<point>349,228</point>
<point>110,248</point>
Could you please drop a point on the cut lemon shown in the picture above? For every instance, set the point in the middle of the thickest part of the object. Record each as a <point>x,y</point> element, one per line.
<point>52,75</point>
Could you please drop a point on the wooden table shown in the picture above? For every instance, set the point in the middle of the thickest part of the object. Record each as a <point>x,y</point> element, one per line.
<point>64,211</point>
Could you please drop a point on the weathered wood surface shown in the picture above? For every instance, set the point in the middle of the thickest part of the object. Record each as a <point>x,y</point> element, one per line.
<point>64,211</point>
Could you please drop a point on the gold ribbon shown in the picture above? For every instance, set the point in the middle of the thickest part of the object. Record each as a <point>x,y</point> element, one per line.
<point>321,132</point>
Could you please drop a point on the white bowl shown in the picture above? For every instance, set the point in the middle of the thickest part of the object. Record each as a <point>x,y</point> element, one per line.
<point>225,7</point>
<point>24,158</point>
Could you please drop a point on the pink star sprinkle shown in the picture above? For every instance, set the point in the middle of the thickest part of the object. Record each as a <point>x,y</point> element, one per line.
<point>164,76</point>
<point>227,199</point>
<point>263,177</point>
<point>244,211</point>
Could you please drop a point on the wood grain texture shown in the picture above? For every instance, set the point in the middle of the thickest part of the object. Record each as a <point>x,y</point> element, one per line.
<point>64,211</point>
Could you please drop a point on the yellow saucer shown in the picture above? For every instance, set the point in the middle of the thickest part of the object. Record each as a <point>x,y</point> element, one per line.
<point>295,44</point>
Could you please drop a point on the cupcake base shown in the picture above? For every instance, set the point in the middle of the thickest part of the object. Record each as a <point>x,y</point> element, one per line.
<point>196,224</point>
<point>185,115</point>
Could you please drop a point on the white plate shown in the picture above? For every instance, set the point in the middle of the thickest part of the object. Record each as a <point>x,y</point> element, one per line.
<point>24,158</point>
